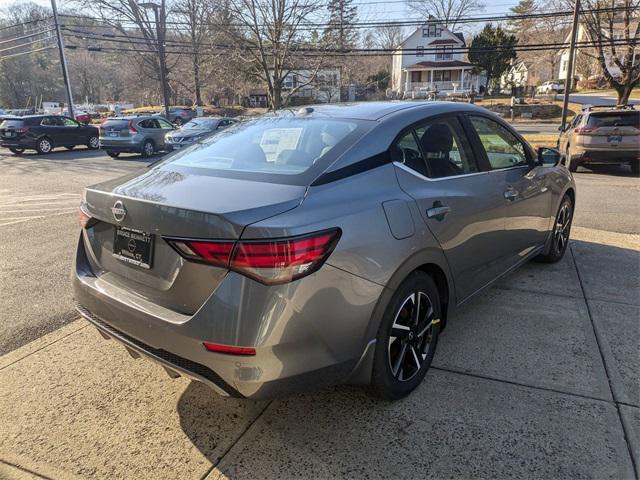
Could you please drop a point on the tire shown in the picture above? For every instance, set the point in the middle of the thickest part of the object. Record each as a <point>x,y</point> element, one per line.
<point>93,143</point>
<point>148,149</point>
<point>44,145</point>
<point>16,151</point>
<point>572,164</point>
<point>635,167</point>
<point>404,348</point>
<point>113,154</point>
<point>560,233</point>
<point>70,147</point>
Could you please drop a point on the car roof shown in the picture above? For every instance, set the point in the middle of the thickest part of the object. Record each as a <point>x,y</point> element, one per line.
<point>132,117</point>
<point>379,110</point>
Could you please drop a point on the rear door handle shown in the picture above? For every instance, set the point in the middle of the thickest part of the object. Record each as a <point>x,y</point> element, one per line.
<point>438,211</point>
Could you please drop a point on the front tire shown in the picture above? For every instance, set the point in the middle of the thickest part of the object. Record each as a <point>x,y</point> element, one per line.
<point>407,338</point>
<point>16,151</point>
<point>44,145</point>
<point>560,234</point>
<point>572,164</point>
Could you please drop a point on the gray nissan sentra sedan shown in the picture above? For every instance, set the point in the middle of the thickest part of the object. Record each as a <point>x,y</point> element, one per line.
<point>320,246</point>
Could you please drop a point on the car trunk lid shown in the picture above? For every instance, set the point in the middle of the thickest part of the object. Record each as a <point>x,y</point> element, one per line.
<point>164,203</point>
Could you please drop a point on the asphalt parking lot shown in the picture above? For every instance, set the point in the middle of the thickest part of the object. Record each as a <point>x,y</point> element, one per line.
<point>535,378</point>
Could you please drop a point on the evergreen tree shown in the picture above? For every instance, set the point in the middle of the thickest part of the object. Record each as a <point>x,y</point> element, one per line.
<point>492,50</point>
<point>341,32</point>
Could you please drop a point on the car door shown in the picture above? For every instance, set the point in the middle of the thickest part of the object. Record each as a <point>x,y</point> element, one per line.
<point>72,132</point>
<point>524,185</point>
<point>52,128</point>
<point>565,136</point>
<point>459,201</point>
<point>163,127</point>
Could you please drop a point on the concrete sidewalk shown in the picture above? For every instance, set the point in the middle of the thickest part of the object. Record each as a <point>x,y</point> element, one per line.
<point>536,378</point>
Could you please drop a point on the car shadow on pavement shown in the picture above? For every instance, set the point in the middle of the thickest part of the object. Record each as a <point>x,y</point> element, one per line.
<point>469,418</point>
<point>605,169</point>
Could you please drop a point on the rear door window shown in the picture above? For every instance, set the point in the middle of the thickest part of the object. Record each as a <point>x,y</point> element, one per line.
<point>407,152</point>
<point>503,149</point>
<point>164,124</point>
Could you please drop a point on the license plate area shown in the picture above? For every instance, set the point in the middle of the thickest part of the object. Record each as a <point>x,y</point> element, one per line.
<point>614,138</point>
<point>133,246</point>
<point>113,134</point>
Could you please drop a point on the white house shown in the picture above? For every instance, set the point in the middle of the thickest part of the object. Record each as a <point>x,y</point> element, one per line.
<point>324,87</point>
<point>427,62</point>
<point>585,56</point>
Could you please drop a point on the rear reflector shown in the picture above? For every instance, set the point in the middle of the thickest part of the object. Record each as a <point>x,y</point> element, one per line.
<point>214,347</point>
<point>269,262</point>
<point>83,216</point>
<point>132,129</point>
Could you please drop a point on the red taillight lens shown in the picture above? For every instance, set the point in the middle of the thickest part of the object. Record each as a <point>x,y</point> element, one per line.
<point>215,347</point>
<point>22,129</point>
<point>132,129</point>
<point>267,261</point>
<point>584,130</point>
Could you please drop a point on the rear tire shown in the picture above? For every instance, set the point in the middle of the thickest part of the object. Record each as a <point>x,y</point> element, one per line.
<point>44,145</point>
<point>407,338</point>
<point>16,151</point>
<point>113,154</point>
<point>93,143</point>
<point>572,164</point>
<point>560,233</point>
<point>148,149</point>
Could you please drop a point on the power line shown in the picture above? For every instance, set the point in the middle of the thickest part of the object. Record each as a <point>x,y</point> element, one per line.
<point>23,44</point>
<point>40,32</point>
<point>411,22</point>
<point>4,57</point>
<point>21,24</point>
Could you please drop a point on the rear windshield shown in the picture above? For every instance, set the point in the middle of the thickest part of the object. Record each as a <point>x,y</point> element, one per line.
<point>271,147</point>
<point>617,119</point>
<point>116,124</point>
<point>12,123</point>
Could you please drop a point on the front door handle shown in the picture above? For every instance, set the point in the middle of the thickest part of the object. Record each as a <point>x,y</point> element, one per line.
<point>511,194</point>
<point>438,211</point>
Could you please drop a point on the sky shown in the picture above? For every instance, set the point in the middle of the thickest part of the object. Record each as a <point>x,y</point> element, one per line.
<point>374,10</point>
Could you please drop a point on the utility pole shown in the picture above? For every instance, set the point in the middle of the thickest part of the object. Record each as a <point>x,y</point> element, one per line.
<point>568,82</point>
<point>63,59</point>
<point>160,30</point>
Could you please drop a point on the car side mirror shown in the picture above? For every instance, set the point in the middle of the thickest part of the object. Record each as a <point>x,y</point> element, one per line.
<point>548,157</point>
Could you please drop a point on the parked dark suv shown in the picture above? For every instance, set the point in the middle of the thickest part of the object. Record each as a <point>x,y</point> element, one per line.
<point>46,132</point>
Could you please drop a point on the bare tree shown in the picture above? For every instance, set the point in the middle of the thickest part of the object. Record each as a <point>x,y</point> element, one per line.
<point>270,35</point>
<point>195,15</point>
<point>120,15</point>
<point>447,12</point>
<point>615,35</point>
<point>388,37</point>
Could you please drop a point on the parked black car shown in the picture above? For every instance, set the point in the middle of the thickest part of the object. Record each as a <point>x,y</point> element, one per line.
<point>46,132</point>
<point>194,130</point>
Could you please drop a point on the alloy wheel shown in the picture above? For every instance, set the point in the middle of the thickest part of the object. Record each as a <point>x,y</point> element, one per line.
<point>45,146</point>
<point>411,337</point>
<point>148,149</point>
<point>94,142</point>
<point>562,228</point>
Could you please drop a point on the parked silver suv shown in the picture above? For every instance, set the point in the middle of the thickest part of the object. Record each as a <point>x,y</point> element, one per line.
<point>144,135</point>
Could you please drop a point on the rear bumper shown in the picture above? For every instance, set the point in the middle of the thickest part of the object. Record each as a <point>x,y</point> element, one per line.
<point>121,146</point>
<point>610,155</point>
<point>18,143</point>
<point>300,342</point>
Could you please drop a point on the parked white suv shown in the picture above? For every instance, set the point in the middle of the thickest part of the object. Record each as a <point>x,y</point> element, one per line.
<point>552,86</point>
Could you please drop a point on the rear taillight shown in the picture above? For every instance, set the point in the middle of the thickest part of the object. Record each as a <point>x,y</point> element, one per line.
<point>84,218</point>
<point>270,262</point>
<point>132,129</point>
<point>584,130</point>
<point>22,129</point>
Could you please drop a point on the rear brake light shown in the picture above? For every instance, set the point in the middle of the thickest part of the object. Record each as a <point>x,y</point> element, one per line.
<point>584,130</point>
<point>83,216</point>
<point>132,129</point>
<point>22,129</point>
<point>270,262</point>
<point>215,347</point>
